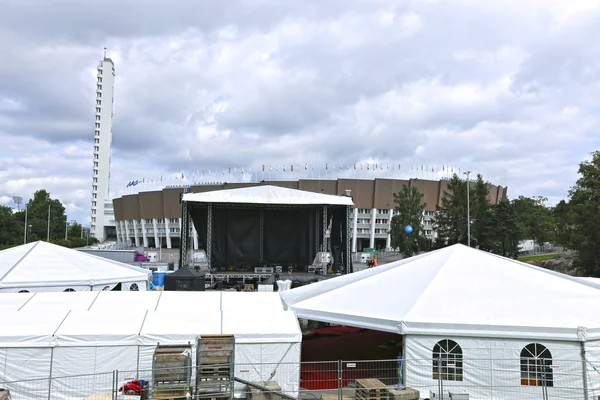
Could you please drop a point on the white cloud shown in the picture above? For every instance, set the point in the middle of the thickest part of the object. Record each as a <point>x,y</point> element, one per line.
<point>510,89</point>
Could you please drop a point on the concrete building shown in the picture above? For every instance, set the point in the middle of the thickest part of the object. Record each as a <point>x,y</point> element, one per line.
<point>102,217</point>
<point>153,219</point>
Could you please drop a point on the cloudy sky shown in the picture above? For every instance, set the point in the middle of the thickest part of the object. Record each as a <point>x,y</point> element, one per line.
<point>507,88</point>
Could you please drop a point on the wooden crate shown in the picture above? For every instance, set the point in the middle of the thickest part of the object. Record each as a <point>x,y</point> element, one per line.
<point>371,389</point>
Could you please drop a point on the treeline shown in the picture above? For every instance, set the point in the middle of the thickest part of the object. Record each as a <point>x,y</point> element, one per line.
<point>572,224</point>
<point>13,225</point>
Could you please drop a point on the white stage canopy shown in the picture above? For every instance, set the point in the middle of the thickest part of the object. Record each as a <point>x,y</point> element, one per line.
<point>46,267</point>
<point>267,194</point>
<point>456,290</point>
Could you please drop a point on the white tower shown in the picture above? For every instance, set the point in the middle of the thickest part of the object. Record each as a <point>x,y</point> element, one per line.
<point>102,209</point>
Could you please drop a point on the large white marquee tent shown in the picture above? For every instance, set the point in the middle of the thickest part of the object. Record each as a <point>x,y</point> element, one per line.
<point>46,267</point>
<point>492,307</point>
<point>67,335</point>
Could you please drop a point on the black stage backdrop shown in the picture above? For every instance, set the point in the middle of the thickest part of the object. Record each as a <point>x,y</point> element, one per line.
<point>288,236</point>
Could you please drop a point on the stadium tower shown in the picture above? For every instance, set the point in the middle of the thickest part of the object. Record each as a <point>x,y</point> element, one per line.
<point>102,217</point>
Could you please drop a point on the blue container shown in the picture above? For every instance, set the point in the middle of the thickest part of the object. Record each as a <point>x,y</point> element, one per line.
<point>158,278</point>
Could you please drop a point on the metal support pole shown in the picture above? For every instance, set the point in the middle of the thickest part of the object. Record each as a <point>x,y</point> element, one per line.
<point>317,232</point>
<point>50,376</point>
<point>48,236</point>
<point>183,250</point>
<point>261,237</point>
<point>209,236</point>
<point>349,229</point>
<point>340,379</point>
<point>324,244</point>
<point>468,210</point>
<point>584,369</point>
<point>25,228</point>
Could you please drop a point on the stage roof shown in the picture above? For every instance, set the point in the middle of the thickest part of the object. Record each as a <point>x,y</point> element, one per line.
<point>267,194</point>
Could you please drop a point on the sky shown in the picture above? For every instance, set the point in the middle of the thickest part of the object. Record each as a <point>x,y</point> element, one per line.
<point>508,89</point>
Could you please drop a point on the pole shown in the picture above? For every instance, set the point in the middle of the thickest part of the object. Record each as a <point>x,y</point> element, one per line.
<point>468,211</point>
<point>25,227</point>
<point>48,236</point>
<point>66,229</point>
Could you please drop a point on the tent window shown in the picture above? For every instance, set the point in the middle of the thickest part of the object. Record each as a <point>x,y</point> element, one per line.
<point>69,290</point>
<point>134,287</point>
<point>447,361</point>
<point>536,361</point>
<point>23,291</point>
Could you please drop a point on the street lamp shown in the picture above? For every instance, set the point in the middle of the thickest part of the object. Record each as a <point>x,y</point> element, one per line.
<point>468,211</point>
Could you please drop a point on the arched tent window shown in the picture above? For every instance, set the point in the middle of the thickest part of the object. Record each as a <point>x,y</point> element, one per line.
<point>69,290</point>
<point>23,291</point>
<point>134,287</point>
<point>536,360</point>
<point>447,361</point>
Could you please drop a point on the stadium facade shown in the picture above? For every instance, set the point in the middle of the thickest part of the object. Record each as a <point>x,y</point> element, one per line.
<point>153,219</point>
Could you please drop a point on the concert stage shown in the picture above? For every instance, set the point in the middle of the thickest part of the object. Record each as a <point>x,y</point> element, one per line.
<point>267,227</point>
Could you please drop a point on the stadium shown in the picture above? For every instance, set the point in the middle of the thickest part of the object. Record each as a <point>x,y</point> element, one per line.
<point>153,219</point>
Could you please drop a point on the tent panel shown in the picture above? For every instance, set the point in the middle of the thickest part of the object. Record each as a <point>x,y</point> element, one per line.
<point>126,302</point>
<point>175,327</point>
<point>190,302</point>
<point>262,301</point>
<point>491,368</point>
<point>36,287</point>
<point>59,301</point>
<point>47,265</point>
<point>28,369</point>
<point>14,301</point>
<point>100,328</point>
<point>29,329</point>
<point>260,327</point>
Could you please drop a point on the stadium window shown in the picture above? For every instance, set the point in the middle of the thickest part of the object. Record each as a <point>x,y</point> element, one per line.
<point>447,361</point>
<point>69,290</point>
<point>536,361</point>
<point>23,291</point>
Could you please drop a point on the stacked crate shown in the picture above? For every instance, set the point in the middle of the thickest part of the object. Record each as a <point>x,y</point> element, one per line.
<point>215,366</point>
<point>171,371</point>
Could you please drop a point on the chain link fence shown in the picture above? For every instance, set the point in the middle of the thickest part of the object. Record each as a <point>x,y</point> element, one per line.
<point>329,380</point>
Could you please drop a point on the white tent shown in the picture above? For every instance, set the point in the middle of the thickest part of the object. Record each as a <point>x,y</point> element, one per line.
<point>82,341</point>
<point>46,267</point>
<point>267,194</point>
<point>491,306</point>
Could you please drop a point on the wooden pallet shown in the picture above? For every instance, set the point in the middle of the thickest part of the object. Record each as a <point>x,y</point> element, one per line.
<point>371,389</point>
<point>170,394</point>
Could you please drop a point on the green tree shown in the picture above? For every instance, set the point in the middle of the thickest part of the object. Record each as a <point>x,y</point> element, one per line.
<point>76,231</point>
<point>451,220</point>
<point>37,217</point>
<point>9,229</point>
<point>563,217</point>
<point>504,229</point>
<point>584,202</point>
<point>536,220</point>
<point>482,230</point>
<point>409,209</point>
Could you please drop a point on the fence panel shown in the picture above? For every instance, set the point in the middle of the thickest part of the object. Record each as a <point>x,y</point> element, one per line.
<point>332,380</point>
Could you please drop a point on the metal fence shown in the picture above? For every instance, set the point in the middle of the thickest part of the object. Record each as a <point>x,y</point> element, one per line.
<point>332,380</point>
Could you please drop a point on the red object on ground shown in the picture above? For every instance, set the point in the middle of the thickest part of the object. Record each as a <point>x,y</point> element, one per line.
<point>133,385</point>
<point>354,346</point>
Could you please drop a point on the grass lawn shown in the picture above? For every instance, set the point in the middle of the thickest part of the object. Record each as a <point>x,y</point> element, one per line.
<point>539,257</point>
